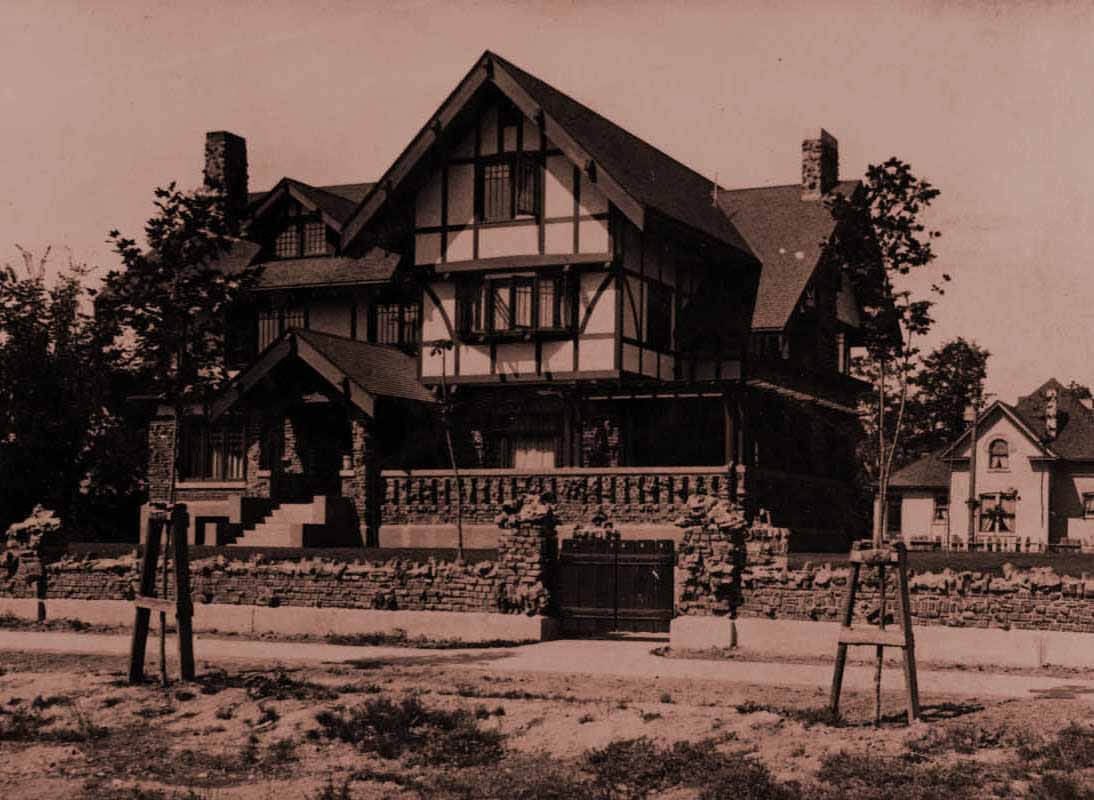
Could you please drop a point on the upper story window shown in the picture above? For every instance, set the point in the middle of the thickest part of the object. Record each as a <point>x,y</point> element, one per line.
<point>516,304</point>
<point>398,324</point>
<point>999,455</point>
<point>507,187</point>
<point>274,322</point>
<point>1088,505</point>
<point>302,238</point>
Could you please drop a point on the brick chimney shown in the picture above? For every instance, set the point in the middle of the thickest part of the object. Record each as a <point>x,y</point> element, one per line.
<point>226,168</point>
<point>820,164</point>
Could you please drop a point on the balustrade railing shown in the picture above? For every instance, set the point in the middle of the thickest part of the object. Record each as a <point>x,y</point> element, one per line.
<point>628,494</point>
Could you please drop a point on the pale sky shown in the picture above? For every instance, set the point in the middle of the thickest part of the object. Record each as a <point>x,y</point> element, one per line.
<point>991,102</point>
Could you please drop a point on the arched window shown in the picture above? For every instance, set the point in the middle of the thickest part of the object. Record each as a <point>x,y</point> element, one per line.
<point>998,455</point>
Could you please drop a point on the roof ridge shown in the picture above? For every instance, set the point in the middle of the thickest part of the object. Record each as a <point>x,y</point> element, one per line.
<point>509,64</point>
<point>379,345</point>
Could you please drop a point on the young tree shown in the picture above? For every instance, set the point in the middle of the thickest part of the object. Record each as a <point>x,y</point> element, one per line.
<point>879,239</point>
<point>169,303</point>
<point>950,379</point>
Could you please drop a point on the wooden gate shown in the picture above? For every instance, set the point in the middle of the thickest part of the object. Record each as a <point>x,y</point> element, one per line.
<point>611,585</point>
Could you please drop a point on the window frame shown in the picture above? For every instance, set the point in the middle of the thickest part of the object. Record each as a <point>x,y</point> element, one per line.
<point>941,510</point>
<point>990,501</point>
<point>524,181</point>
<point>284,317</point>
<point>407,323</point>
<point>477,304</point>
<point>1088,505</point>
<point>232,436</point>
<point>1005,455</point>
<point>299,225</point>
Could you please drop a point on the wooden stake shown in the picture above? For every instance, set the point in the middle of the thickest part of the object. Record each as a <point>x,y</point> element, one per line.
<point>156,521</point>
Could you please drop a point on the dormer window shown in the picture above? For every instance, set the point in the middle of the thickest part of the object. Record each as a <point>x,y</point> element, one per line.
<point>303,238</point>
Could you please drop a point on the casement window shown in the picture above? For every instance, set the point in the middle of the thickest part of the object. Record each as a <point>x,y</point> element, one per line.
<point>941,507</point>
<point>507,187</point>
<point>658,316</point>
<point>1088,505</point>
<point>302,238</point>
<point>398,324</point>
<point>997,511</point>
<point>516,304</point>
<point>273,323</point>
<point>998,455</point>
<point>212,453</point>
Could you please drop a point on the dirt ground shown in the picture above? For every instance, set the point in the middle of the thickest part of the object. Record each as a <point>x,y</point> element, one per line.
<point>440,726</point>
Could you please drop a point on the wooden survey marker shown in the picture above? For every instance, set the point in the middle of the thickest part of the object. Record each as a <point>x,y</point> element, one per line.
<point>173,520</point>
<point>888,555</point>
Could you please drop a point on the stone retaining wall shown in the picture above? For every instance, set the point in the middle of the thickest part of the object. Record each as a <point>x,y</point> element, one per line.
<point>516,583</point>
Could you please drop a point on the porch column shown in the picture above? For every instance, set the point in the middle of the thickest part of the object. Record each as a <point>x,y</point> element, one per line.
<point>161,455</point>
<point>361,480</point>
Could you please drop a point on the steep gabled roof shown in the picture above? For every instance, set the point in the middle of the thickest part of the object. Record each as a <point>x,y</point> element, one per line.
<point>1011,413</point>
<point>929,472</point>
<point>335,207</point>
<point>635,176</point>
<point>358,371</point>
<point>652,177</point>
<point>786,234</point>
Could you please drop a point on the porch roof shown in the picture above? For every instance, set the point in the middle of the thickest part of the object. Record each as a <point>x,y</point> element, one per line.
<point>359,371</point>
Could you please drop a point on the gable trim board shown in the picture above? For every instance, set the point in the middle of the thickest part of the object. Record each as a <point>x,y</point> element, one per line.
<point>1007,411</point>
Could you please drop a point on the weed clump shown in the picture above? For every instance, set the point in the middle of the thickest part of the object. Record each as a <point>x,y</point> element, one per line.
<point>431,736</point>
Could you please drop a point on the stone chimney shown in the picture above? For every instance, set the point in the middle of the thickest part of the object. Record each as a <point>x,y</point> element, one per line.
<point>820,164</point>
<point>226,168</point>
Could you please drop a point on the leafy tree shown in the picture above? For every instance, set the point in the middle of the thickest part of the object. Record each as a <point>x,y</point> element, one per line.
<point>170,301</point>
<point>949,379</point>
<point>59,381</point>
<point>879,238</point>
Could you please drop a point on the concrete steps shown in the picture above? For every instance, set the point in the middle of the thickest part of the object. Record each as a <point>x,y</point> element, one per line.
<point>284,525</point>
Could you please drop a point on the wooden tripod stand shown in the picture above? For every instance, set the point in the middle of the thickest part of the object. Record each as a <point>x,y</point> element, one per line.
<point>158,521</point>
<point>866,553</point>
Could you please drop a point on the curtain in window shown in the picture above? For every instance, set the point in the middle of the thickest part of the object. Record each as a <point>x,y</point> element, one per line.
<point>522,304</point>
<point>997,513</point>
<point>533,452</point>
<point>502,312</point>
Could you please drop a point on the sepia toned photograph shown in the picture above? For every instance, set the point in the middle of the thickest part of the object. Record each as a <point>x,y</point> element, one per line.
<point>543,400</point>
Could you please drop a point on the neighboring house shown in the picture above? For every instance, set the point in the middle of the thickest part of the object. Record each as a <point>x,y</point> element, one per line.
<point>1034,480</point>
<point>605,321</point>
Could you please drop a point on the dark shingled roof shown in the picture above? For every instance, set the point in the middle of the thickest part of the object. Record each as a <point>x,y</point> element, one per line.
<point>647,174</point>
<point>1074,421</point>
<point>378,369</point>
<point>929,472</point>
<point>786,234</point>
<point>377,266</point>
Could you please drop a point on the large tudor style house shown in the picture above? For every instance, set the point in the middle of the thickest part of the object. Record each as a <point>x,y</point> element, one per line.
<point>1033,480</point>
<point>588,315</point>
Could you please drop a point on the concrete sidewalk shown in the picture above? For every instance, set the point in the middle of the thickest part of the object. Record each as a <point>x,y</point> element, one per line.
<point>632,659</point>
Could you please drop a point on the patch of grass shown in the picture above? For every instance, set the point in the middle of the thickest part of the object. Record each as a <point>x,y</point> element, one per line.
<point>1073,748</point>
<point>431,736</point>
<point>518,777</point>
<point>639,768</point>
<point>263,686</point>
<point>963,738</point>
<point>468,690</point>
<point>30,725</point>
<point>110,702</point>
<point>269,715</point>
<point>332,792</point>
<point>399,638</point>
<point>283,751</point>
<point>225,712</point>
<point>806,716</point>
<point>39,702</point>
<point>1053,786</point>
<point>585,719</point>
<point>873,777</point>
